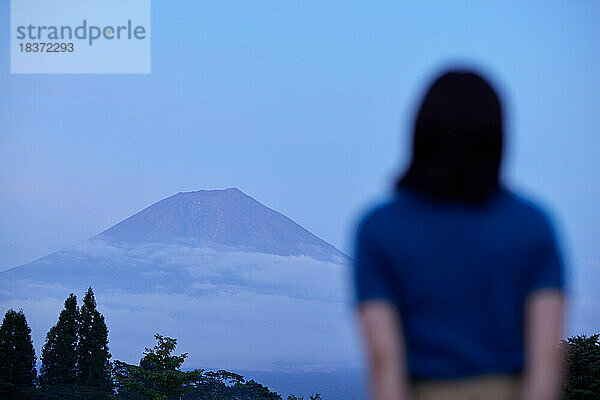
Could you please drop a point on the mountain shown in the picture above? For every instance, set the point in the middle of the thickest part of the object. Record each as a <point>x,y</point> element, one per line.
<point>242,286</point>
<point>204,221</point>
<point>221,219</point>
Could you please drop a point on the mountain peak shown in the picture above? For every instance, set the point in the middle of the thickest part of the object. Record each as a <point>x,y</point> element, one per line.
<point>226,191</point>
<point>225,219</point>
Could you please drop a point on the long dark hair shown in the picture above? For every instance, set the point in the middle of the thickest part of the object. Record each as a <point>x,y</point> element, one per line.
<point>457,143</point>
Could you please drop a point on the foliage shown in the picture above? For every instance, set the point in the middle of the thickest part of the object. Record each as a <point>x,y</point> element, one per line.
<point>583,368</point>
<point>17,356</point>
<point>59,357</point>
<point>93,366</point>
<point>213,385</point>
<point>252,390</point>
<point>75,357</point>
<point>75,365</point>
<point>316,396</point>
<point>159,374</point>
<point>72,392</point>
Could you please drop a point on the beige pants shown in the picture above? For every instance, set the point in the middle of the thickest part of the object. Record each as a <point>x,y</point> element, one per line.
<point>490,387</point>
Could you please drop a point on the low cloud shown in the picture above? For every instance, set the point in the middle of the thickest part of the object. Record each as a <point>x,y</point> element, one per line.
<point>231,310</point>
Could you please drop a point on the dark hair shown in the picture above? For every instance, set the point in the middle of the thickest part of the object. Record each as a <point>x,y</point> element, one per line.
<point>457,143</point>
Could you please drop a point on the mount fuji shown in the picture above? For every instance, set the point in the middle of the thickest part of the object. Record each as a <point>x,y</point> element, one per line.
<point>222,219</point>
<point>241,286</point>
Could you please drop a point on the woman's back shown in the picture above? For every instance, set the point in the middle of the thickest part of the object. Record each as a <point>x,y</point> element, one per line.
<point>459,274</point>
<point>457,261</point>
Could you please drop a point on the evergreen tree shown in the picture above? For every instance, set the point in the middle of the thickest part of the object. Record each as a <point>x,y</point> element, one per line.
<point>93,365</point>
<point>59,358</point>
<point>17,356</point>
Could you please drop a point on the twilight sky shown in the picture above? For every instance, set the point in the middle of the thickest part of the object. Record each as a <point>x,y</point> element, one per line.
<point>306,106</point>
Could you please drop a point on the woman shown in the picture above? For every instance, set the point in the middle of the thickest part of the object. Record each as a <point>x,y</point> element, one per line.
<point>458,280</point>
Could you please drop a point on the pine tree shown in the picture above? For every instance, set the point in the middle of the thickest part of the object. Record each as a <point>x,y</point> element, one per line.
<point>17,356</point>
<point>92,349</point>
<point>59,358</point>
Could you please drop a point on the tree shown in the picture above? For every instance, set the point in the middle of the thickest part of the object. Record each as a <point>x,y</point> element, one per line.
<point>93,365</point>
<point>59,357</point>
<point>17,356</point>
<point>252,390</point>
<point>583,368</point>
<point>159,374</point>
<point>224,385</point>
<point>214,385</point>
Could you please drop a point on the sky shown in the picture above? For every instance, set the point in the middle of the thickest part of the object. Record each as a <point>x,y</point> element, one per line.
<point>306,106</point>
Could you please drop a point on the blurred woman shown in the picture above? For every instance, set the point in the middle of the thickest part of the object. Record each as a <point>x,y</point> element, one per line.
<point>459,281</point>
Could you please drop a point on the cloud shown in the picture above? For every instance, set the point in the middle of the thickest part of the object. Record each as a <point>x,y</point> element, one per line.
<point>242,329</point>
<point>232,310</point>
<point>238,329</point>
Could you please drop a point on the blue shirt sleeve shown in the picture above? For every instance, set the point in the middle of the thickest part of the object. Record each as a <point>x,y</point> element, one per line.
<point>372,278</point>
<point>547,270</point>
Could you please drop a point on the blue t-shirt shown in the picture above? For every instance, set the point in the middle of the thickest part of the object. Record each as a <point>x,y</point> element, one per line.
<point>459,275</point>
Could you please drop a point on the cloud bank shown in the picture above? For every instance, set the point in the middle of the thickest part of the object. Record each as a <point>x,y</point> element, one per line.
<point>233,310</point>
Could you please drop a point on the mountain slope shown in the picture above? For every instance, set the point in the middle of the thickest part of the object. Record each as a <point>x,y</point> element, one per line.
<point>222,219</point>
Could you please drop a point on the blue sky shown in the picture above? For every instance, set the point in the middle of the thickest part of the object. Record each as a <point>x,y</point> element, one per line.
<point>306,106</point>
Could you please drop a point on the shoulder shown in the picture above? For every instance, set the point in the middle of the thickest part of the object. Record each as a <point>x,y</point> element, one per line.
<point>376,216</point>
<point>382,218</point>
<point>533,219</point>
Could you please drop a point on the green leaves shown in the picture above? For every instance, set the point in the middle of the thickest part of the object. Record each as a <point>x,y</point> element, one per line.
<point>159,377</point>
<point>159,374</point>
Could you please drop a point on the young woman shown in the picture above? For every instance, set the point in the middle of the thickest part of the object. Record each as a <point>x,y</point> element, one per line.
<point>459,281</point>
